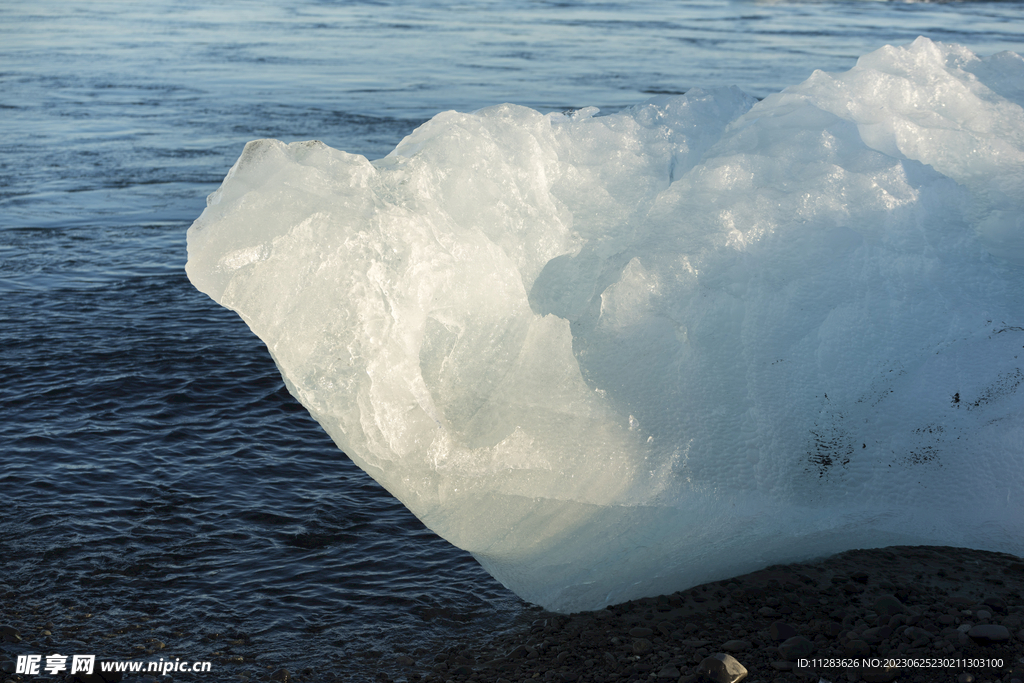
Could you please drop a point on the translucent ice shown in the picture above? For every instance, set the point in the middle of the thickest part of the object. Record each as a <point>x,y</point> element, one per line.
<point>613,356</point>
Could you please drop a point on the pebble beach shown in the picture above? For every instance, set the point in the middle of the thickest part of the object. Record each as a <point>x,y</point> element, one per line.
<point>902,613</point>
<point>916,614</point>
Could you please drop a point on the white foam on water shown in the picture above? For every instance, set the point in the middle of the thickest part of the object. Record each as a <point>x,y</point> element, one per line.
<point>614,356</point>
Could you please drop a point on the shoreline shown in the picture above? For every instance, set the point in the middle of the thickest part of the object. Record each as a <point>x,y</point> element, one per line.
<point>956,613</point>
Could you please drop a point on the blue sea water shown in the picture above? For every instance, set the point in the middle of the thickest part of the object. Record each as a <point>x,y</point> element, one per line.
<point>152,466</point>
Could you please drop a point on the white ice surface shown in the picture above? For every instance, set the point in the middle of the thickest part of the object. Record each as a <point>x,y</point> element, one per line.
<point>614,356</point>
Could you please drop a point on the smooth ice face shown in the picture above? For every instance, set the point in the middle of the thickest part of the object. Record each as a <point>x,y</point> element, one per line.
<point>616,356</point>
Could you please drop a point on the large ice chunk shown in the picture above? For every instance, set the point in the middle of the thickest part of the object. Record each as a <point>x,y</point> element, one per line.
<point>619,355</point>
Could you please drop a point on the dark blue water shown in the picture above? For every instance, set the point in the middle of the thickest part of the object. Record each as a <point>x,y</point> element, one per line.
<point>153,469</point>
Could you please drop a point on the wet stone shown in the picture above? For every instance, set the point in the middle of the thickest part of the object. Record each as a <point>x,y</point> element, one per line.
<point>916,632</point>
<point>780,631</point>
<point>641,646</point>
<point>721,668</point>
<point>997,605</point>
<point>736,645</point>
<point>888,605</point>
<point>873,636</point>
<point>856,648</point>
<point>796,648</point>
<point>988,634</point>
<point>519,652</point>
<point>640,632</point>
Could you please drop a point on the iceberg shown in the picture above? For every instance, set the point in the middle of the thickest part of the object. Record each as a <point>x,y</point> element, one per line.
<point>616,356</point>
